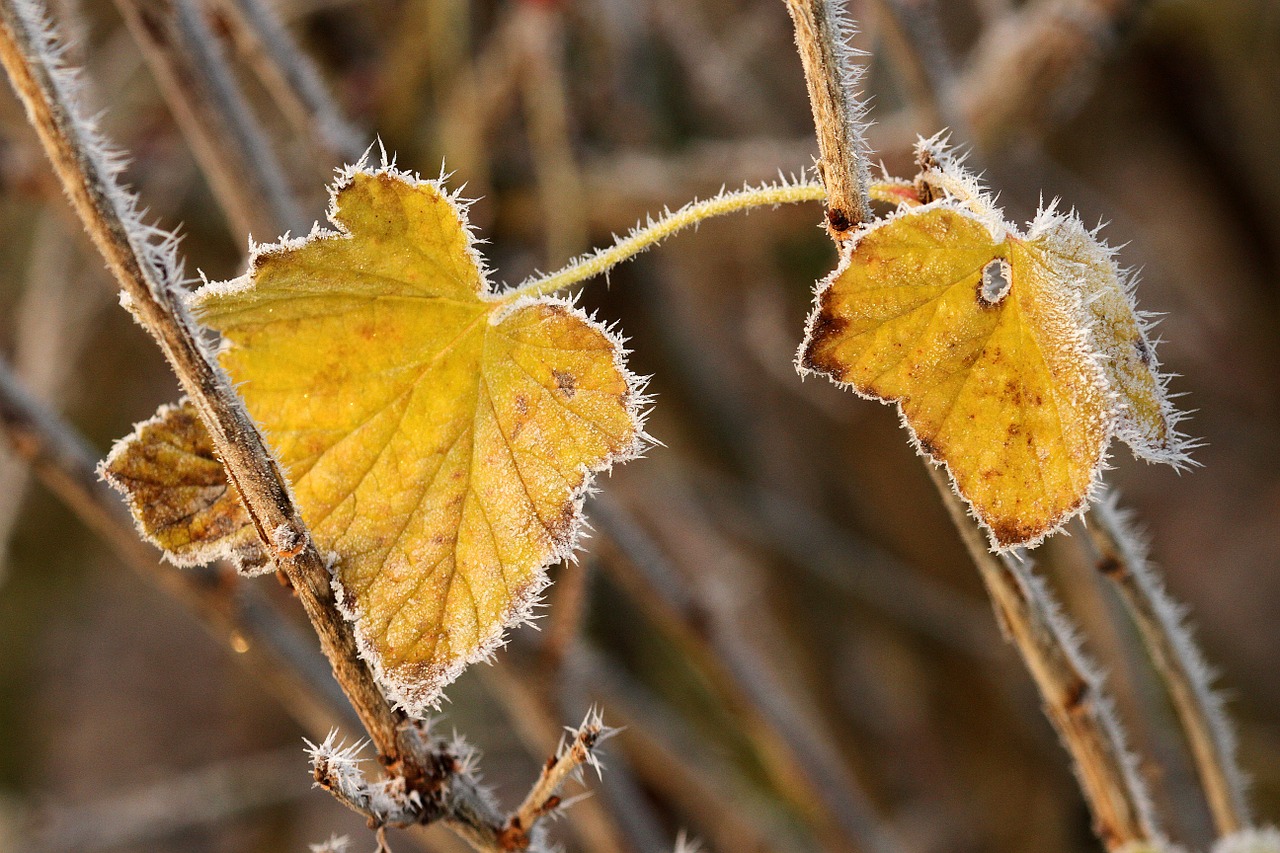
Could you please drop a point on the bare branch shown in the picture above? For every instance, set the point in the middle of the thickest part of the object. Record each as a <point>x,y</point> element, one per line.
<point>1121,557</point>
<point>802,762</point>
<point>139,817</point>
<point>544,797</point>
<point>291,78</point>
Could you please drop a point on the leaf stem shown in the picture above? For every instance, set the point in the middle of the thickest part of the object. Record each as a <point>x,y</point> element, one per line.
<point>1121,558</point>
<point>654,231</point>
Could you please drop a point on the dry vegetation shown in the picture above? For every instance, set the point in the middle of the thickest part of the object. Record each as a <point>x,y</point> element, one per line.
<point>775,602</point>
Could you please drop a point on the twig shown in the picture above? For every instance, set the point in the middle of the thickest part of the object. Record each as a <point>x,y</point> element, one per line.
<point>50,332</point>
<point>528,707</point>
<point>223,133</point>
<point>804,766</point>
<point>723,79</point>
<point>1121,557</point>
<point>546,107</point>
<point>1068,682</point>
<point>567,762</point>
<point>822,34</point>
<point>478,96</point>
<point>141,816</point>
<point>677,763</point>
<point>566,609</point>
<point>860,568</point>
<point>1027,62</point>
<point>911,36</point>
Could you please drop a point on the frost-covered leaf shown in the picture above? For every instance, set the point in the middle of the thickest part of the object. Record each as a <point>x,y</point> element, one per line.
<point>1013,358</point>
<point>178,493</point>
<point>439,436</point>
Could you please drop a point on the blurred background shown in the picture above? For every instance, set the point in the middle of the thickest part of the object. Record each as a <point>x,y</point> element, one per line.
<point>774,601</point>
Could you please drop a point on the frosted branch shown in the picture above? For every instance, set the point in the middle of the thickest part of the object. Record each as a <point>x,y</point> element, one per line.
<point>1122,559</point>
<point>822,36</point>
<point>544,797</point>
<point>1070,685</point>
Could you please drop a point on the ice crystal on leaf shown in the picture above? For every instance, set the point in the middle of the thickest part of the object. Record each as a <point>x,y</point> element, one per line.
<point>1014,357</point>
<point>439,436</point>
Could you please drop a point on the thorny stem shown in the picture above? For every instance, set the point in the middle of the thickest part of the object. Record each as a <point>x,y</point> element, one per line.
<point>147,276</point>
<point>1068,683</point>
<point>655,231</point>
<point>529,707</point>
<point>543,798</point>
<point>822,34</point>
<point>1121,558</point>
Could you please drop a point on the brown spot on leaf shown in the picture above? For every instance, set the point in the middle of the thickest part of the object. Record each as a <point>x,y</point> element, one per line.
<point>1009,531</point>
<point>816,355</point>
<point>566,383</point>
<point>1144,350</point>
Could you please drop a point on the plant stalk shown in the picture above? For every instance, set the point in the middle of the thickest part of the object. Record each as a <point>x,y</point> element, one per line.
<point>822,33</point>
<point>1121,558</point>
<point>1069,685</point>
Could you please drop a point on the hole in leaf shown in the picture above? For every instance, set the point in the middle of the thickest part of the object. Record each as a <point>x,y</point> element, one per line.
<point>997,277</point>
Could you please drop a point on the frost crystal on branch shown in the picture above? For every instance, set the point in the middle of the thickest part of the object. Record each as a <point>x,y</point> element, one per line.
<point>386,802</point>
<point>1260,840</point>
<point>543,799</point>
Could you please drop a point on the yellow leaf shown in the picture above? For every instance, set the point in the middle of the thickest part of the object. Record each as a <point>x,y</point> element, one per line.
<point>178,492</point>
<point>439,437</point>
<point>1013,357</point>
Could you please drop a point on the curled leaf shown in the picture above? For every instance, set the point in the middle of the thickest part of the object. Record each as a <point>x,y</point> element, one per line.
<point>178,492</point>
<point>1013,358</point>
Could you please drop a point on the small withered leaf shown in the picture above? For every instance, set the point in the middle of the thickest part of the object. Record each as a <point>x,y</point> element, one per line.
<point>178,493</point>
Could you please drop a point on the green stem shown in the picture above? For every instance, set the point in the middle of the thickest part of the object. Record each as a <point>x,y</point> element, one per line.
<point>655,231</point>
